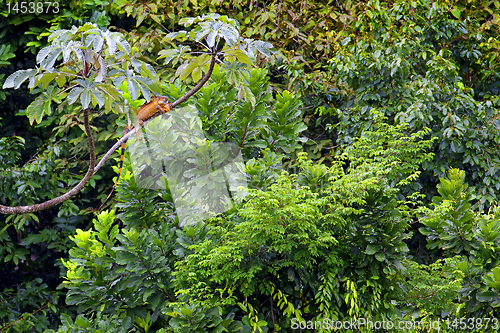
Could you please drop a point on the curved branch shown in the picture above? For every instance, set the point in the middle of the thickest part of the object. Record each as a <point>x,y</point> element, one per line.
<point>118,144</point>
<point>50,203</point>
<point>172,105</point>
<point>92,167</point>
<point>199,85</point>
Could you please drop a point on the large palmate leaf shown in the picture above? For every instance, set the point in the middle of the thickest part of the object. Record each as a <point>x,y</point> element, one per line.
<point>17,78</point>
<point>87,64</point>
<point>210,31</point>
<point>41,105</point>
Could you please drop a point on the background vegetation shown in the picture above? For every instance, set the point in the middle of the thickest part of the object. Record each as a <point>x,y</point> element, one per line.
<point>370,140</point>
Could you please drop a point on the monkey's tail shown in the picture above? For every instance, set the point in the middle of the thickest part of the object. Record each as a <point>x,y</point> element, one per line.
<point>122,157</point>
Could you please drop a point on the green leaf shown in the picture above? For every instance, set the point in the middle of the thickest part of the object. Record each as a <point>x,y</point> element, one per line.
<point>264,47</point>
<point>124,258</point>
<point>211,38</point>
<point>111,40</point>
<point>98,98</point>
<point>74,94</point>
<point>456,12</point>
<point>81,322</point>
<point>373,248</point>
<point>133,88</point>
<point>187,312</point>
<point>46,78</point>
<point>155,300</point>
<point>196,74</point>
<point>230,34</point>
<point>239,55</point>
<point>76,299</point>
<point>17,78</point>
<point>147,70</point>
<point>493,298</point>
<point>101,75</point>
<point>38,108</point>
<point>380,256</point>
<point>496,273</point>
<point>243,307</point>
<point>85,98</point>
<point>182,35</point>
<point>169,55</point>
<point>43,53</point>
<point>49,61</point>
<point>46,110</point>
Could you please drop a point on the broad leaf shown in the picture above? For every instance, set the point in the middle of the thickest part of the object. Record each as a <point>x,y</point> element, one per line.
<point>17,78</point>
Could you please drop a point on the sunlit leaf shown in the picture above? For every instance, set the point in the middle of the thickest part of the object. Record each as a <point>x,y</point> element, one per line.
<point>74,94</point>
<point>85,98</point>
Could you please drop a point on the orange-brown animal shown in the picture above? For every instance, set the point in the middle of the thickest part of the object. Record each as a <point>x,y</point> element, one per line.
<point>146,111</point>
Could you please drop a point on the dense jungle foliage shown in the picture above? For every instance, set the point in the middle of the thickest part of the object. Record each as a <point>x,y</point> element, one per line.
<point>368,138</point>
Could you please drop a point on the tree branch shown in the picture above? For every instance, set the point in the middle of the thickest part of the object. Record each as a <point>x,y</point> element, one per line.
<point>50,203</point>
<point>200,84</point>
<point>172,105</point>
<point>92,167</point>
